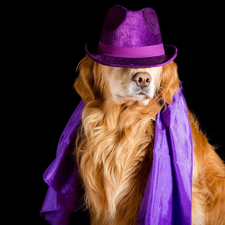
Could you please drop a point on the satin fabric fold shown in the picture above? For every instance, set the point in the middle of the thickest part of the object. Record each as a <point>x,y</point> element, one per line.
<point>64,192</point>
<point>168,193</point>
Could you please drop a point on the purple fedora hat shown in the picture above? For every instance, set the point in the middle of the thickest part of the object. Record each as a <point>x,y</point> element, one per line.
<point>131,39</point>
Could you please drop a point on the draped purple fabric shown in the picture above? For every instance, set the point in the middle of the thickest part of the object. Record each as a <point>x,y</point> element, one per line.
<point>64,192</point>
<point>168,193</point>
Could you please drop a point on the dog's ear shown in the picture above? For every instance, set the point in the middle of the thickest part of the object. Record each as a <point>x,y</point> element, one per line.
<point>85,81</point>
<point>170,82</point>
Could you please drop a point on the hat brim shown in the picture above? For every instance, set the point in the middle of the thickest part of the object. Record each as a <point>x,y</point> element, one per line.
<point>170,55</point>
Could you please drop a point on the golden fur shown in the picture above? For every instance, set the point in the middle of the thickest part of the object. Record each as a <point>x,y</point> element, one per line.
<point>115,143</point>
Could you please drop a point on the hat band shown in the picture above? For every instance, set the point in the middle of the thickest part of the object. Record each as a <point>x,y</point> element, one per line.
<point>132,52</point>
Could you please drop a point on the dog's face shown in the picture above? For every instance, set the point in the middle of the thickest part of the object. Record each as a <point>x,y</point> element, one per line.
<point>126,85</point>
<point>129,85</point>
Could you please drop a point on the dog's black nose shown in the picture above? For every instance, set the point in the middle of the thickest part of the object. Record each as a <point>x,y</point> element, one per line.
<point>142,79</point>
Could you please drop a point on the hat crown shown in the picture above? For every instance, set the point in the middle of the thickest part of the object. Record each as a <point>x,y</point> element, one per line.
<point>125,28</point>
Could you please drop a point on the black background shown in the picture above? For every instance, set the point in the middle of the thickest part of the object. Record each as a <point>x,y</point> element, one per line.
<point>51,37</point>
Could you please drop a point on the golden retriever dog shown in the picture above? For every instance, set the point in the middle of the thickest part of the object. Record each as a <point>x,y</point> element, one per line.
<point>114,145</point>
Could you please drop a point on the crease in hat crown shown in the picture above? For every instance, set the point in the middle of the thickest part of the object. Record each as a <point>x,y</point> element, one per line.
<point>131,39</point>
<point>126,28</point>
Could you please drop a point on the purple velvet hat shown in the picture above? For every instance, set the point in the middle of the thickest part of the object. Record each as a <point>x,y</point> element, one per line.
<point>131,39</point>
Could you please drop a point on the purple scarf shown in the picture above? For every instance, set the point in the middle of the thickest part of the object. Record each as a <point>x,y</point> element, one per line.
<point>168,193</point>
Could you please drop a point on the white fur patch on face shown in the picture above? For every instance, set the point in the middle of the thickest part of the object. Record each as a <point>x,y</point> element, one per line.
<point>124,89</point>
